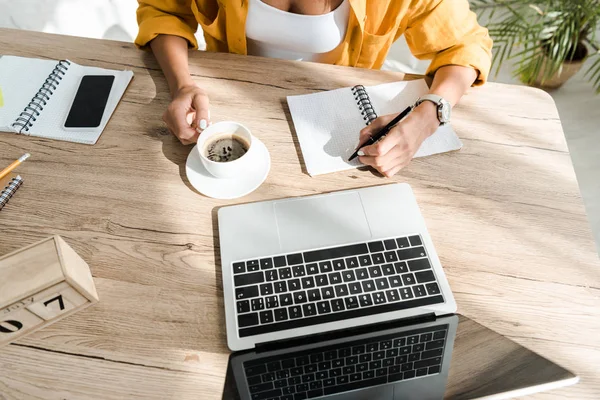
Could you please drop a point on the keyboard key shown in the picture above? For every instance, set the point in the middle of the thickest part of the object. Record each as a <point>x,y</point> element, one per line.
<point>422,371</point>
<point>293,259</point>
<point>365,300</point>
<point>418,347</point>
<point>373,365</point>
<point>316,358</point>
<point>432,353</point>
<point>266,289</point>
<point>425,337</point>
<point>419,264</point>
<point>272,302</point>
<point>390,244</point>
<point>303,387</point>
<point>405,350</point>
<point>415,240</point>
<point>391,353</point>
<point>329,382</point>
<point>378,258</point>
<point>375,246</point>
<point>299,370</point>
<point>271,275</point>
<point>285,273</point>
<point>355,288</point>
<point>364,364</point>
<point>279,261</point>
<point>295,312</point>
<point>356,350</point>
<point>325,267</point>
<point>348,370</point>
<point>337,305</point>
<point>249,279</point>
<point>362,274</point>
<point>341,290</point>
<point>352,360</point>
<point>401,267</point>
<point>281,314</point>
<point>381,372</point>
<point>258,304</point>
<point>413,340</point>
<point>365,260</point>
<point>382,283</point>
<point>388,269</point>
<point>321,375</point>
<point>439,335</point>
<point>432,288</point>
<point>436,344</point>
<point>252,265</point>
<point>399,342</point>
<point>336,252</point>
<point>312,269</point>
<point>414,357</point>
<point>314,295</point>
<point>309,310</point>
<point>323,307</point>
<point>434,370</point>
<point>337,363</point>
<point>335,278</point>
<point>298,271</point>
<point>355,377</point>
<point>335,372</point>
<point>392,295</point>
<point>274,366</point>
<point>322,280</point>
<point>368,286</point>
<point>342,379</point>
<point>395,281</point>
<point>339,265</point>
<point>406,367</point>
<point>406,293</point>
<point>375,272</point>
<point>245,320</point>
<point>401,360</point>
<point>286,299</point>
<point>280,287</point>
<point>266,317</point>
<point>408,279</point>
<point>385,345</point>
<point>296,377</point>
<point>419,291</point>
<point>390,256</point>
<point>378,298</point>
<point>243,306</point>
<point>378,356</point>
<point>308,282</point>
<point>351,312</point>
<point>239,268</point>
<point>246,292</point>
<point>261,387</point>
<point>280,383</point>
<point>409,374</point>
<point>266,263</point>
<point>308,378</point>
<point>300,297</point>
<point>348,276</point>
<point>314,393</point>
<point>345,352</point>
<point>425,276</point>
<point>428,362</point>
<point>371,347</point>
<point>254,380</point>
<point>327,293</point>
<point>352,262</point>
<point>294,284</point>
<point>414,252</point>
<point>402,242</point>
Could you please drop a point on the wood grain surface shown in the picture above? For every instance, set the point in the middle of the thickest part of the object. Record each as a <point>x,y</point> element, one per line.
<point>505,214</point>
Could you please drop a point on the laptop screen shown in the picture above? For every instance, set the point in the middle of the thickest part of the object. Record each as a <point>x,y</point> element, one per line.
<point>446,358</point>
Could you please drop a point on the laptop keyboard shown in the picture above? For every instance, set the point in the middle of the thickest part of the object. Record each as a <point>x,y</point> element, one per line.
<point>356,365</point>
<point>327,285</point>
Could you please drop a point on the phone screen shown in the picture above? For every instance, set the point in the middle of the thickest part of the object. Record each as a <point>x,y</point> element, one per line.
<point>90,101</point>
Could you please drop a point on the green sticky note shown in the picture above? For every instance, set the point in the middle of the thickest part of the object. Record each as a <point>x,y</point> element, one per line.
<point>1,99</point>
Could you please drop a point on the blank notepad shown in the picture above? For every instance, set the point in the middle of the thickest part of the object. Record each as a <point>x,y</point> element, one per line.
<point>328,123</point>
<point>37,96</point>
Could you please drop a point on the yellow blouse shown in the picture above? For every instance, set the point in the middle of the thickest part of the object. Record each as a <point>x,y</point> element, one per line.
<point>444,31</point>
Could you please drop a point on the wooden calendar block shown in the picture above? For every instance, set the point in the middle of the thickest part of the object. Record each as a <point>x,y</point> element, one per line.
<point>41,284</point>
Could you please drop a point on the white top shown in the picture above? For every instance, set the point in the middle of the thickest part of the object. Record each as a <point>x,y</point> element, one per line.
<point>271,32</point>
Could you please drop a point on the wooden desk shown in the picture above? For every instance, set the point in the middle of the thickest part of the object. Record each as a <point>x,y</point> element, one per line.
<point>505,214</point>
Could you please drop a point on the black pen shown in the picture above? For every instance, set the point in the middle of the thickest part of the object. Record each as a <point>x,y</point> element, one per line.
<point>384,131</point>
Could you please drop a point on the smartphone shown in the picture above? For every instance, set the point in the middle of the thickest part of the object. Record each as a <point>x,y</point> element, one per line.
<point>90,102</point>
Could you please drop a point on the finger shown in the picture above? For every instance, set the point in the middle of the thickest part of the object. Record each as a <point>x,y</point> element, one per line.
<point>384,145</point>
<point>200,104</point>
<point>383,162</point>
<point>393,171</point>
<point>371,129</point>
<point>181,127</point>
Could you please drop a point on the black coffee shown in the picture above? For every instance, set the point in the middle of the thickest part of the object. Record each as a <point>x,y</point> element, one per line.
<point>225,148</point>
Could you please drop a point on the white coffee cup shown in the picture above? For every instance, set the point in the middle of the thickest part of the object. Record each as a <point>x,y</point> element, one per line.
<point>228,169</point>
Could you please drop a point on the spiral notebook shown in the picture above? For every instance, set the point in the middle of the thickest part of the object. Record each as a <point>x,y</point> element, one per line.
<point>37,96</point>
<point>8,186</point>
<point>328,123</point>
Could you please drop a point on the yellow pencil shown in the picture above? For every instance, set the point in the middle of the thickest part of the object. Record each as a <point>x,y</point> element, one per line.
<point>14,165</point>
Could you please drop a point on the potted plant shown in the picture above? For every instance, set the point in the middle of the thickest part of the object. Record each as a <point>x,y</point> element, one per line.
<point>549,39</point>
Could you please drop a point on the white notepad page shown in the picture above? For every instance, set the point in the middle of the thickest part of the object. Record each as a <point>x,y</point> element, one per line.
<point>328,124</point>
<point>23,79</point>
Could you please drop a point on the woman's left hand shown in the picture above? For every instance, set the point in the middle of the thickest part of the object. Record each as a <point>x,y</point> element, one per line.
<point>397,148</point>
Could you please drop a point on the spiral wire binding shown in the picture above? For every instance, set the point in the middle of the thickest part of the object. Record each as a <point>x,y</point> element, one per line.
<point>33,110</point>
<point>363,101</point>
<point>7,192</point>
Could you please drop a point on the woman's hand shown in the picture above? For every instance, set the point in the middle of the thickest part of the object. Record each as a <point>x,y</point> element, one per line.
<point>188,113</point>
<point>397,148</point>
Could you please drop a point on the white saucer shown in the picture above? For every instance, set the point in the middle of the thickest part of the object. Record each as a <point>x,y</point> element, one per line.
<point>219,188</point>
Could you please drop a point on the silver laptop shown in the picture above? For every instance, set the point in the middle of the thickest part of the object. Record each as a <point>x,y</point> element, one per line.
<point>303,266</point>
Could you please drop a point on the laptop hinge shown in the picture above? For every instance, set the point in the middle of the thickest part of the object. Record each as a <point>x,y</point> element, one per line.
<point>342,333</point>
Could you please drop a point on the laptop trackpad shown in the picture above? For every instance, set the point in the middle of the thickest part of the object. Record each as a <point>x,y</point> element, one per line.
<point>320,222</point>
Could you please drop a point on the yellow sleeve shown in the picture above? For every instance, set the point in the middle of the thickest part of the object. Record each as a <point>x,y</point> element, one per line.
<point>168,17</point>
<point>447,32</point>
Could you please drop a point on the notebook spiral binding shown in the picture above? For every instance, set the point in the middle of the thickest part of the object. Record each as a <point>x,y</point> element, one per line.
<point>30,113</point>
<point>7,192</point>
<point>363,101</point>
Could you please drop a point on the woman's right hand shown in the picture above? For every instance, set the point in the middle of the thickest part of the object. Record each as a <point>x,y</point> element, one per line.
<point>188,114</point>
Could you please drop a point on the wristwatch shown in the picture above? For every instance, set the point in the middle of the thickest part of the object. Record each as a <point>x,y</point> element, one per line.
<point>444,109</point>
